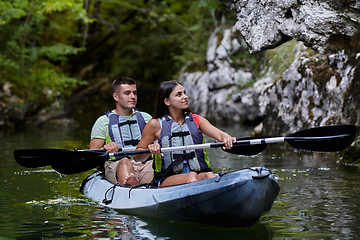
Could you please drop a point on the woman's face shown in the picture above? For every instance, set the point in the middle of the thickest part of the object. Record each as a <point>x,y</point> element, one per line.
<point>177,98</point>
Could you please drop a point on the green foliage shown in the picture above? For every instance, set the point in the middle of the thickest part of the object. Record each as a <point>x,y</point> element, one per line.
<point>34,46</point>
<point>201,24</point>
<point>44,44</point>
<point>253,63</point>
<point>57,52</point>
<point>9,11</point>
<point>149,41</point>
<point>281,57</point>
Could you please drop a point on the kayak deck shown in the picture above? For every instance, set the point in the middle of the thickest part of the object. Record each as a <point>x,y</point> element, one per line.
<point>236,199</point>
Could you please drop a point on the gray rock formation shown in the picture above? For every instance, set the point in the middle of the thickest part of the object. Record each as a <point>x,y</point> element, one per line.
<point>210,91</point>
<point>309,96</point>
<point>318,88</point>
<point>324,26</point>
<point>315,90</point>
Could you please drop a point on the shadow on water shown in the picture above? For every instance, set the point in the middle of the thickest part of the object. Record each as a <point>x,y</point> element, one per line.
<point>188,230</point>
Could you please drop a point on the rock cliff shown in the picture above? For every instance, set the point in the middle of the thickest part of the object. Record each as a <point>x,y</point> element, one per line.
<point>316,89</point>
<point>324,26</point>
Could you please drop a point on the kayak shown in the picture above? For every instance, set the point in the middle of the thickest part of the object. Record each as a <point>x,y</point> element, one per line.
<point>236,199</point>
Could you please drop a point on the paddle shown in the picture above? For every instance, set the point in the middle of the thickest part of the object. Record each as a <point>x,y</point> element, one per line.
<point>73,161</point>
<point>85,163</point>
<point>319,139</point>
<point>324,139</point>
<point>41,157</point>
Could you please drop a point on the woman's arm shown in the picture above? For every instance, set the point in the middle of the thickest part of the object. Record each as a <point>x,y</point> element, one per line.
<point>150,134</point>
<point>209,130</point>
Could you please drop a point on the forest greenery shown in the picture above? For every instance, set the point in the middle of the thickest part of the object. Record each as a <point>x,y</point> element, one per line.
<point>46,46</point>
<point>51,49</point>
<point>280,58</point>
<point>35,44</point>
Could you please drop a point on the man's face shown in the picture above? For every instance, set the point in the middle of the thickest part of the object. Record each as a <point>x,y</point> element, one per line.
<point>126,96</point>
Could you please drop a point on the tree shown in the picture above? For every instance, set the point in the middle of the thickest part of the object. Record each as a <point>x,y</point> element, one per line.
<point>50,49</point>
<point>36,40</point>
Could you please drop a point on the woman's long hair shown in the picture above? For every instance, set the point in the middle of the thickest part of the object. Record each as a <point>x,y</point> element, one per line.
<point>164,92</point>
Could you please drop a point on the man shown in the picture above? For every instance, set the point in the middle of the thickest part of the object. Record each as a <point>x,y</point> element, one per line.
<point>122,128</point>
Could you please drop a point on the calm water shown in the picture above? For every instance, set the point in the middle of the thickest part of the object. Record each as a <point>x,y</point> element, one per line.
<point>319,199</point>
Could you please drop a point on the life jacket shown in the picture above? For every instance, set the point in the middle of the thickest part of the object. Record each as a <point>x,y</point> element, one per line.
<point>172,135</point>
<point>124,131</point>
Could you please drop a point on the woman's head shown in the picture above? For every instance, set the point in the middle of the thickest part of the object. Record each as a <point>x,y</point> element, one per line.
<point>165,90</point>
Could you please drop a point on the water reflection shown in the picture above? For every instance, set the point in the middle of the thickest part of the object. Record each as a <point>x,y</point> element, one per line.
<point>315,200</point>
<point>111,224</point>
<point>114,225</point>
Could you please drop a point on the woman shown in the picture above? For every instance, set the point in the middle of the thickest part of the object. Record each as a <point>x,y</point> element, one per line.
<point>173,124</point>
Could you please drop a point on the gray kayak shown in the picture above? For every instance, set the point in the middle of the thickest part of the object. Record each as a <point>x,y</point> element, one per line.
<point>236,199</point>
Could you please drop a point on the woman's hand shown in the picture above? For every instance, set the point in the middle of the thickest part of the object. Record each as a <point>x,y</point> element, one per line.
<point>228,141</point>
<point>154,148</point>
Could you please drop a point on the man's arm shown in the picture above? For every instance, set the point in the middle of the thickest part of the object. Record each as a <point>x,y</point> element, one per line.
<point>99,132</point>
<point>96,143</point>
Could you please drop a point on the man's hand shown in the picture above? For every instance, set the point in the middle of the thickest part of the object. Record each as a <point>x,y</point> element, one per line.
<point>111,147</point>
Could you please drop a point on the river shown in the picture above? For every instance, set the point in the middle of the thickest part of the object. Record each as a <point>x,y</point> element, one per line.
<point>318,199</point>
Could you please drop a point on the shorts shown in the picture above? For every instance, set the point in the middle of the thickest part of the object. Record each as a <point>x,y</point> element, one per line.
<point>143,171</point>
<point>186,168</point>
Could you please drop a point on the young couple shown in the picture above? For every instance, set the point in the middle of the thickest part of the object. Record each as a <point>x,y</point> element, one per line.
<point>173,124</point>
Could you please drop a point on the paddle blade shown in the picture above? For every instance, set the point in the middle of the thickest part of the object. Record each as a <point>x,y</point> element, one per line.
<point>83,163</point>
<point>37,157</point>
<point>243,147</point>
<point>41,157</point>
<point>323,139</point>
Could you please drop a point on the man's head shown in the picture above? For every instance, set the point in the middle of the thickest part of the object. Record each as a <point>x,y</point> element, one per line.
<point>122,80</point>
<point>124,94</point>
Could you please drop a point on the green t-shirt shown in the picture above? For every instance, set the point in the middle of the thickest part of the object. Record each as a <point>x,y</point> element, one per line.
<point>101,126</point>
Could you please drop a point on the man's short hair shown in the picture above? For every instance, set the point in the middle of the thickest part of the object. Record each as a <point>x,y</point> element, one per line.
<point>122,80</point>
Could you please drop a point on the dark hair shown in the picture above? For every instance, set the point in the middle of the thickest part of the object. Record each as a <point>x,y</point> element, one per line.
<point>164,92</point>
<point>122,80</point>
